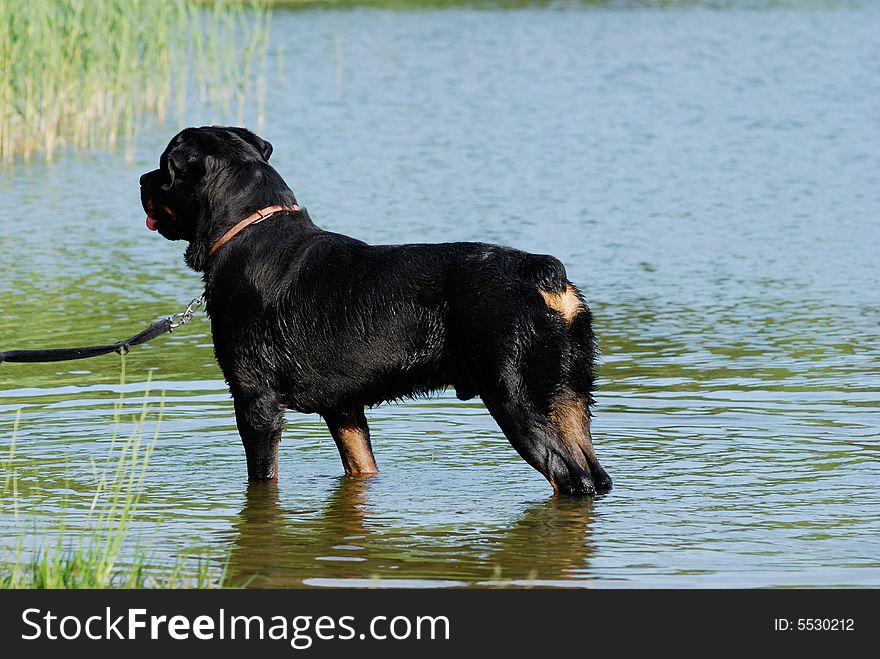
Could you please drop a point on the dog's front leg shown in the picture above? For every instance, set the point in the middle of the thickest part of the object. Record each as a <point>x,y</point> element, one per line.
<point>260,419</point>
<point>352,436</point>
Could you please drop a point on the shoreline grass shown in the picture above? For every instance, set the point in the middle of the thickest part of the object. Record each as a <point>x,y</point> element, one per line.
<point>86,73</point>
<point>103,554</point>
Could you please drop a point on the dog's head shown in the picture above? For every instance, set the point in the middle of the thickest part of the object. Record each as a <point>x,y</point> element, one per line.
<point>208,179</point>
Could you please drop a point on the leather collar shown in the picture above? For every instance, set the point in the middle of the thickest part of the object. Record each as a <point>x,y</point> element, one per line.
<point>257,216</point>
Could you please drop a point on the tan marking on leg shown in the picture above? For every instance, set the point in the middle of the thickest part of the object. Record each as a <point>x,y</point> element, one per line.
<point>572,421</point>
<point>352,436</point>
<point>566,303</point>
<point>357,458</point>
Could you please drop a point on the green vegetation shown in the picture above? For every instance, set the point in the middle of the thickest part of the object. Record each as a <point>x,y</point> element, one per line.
<point>100,556</point>
<point>85,73</point>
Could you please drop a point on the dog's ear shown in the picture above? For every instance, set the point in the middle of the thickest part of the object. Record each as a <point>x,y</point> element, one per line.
<point>262,146</point>
<point>183,164</point>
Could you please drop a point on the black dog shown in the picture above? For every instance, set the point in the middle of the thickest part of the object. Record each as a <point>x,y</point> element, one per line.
<point>319,322</point>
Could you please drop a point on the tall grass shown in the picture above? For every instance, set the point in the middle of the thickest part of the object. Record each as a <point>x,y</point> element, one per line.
<point>85,73</point>
<point>103,554</point>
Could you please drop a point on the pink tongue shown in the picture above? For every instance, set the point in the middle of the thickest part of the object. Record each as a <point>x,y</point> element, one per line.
<point>151,223</point>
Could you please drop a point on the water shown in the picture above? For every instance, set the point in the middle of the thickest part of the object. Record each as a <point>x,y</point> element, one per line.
<point>708,174</point>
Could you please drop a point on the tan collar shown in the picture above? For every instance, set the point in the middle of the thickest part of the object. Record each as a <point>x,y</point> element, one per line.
<point>258,216</point>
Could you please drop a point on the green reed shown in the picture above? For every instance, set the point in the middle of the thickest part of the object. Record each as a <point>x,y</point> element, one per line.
<point>86,73</point>
<point>102,553</point>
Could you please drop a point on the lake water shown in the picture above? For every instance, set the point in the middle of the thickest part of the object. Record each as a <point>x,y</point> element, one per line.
<point>708,172</point>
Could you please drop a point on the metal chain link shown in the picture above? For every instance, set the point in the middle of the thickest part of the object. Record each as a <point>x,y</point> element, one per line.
<point>183,317</point>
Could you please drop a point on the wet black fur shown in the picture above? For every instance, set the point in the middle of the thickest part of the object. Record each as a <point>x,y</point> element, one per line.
<point>324,323</point>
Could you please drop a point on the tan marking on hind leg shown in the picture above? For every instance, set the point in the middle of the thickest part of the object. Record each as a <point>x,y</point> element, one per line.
<point>566,304</point>
<point>572,422</point>
<point>352,436</point>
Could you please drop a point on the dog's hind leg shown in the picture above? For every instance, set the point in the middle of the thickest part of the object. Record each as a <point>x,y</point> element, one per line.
<point>537,439</point>
<point>260,420</point>
<point>571,419</point>
<point>352,436</point>
<point>570,407</point>
<point>540,392</point>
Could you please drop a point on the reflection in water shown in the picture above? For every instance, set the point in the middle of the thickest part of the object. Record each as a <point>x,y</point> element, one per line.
<point>276,547</point>
<point>561,528</point>
<point>271,546</point>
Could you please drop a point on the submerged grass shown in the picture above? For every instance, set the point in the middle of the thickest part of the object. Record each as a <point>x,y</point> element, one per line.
<point>103,554</point>
<point>85,73</point>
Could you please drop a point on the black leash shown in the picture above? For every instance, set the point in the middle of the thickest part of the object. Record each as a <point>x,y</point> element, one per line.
<point>158,328</point>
